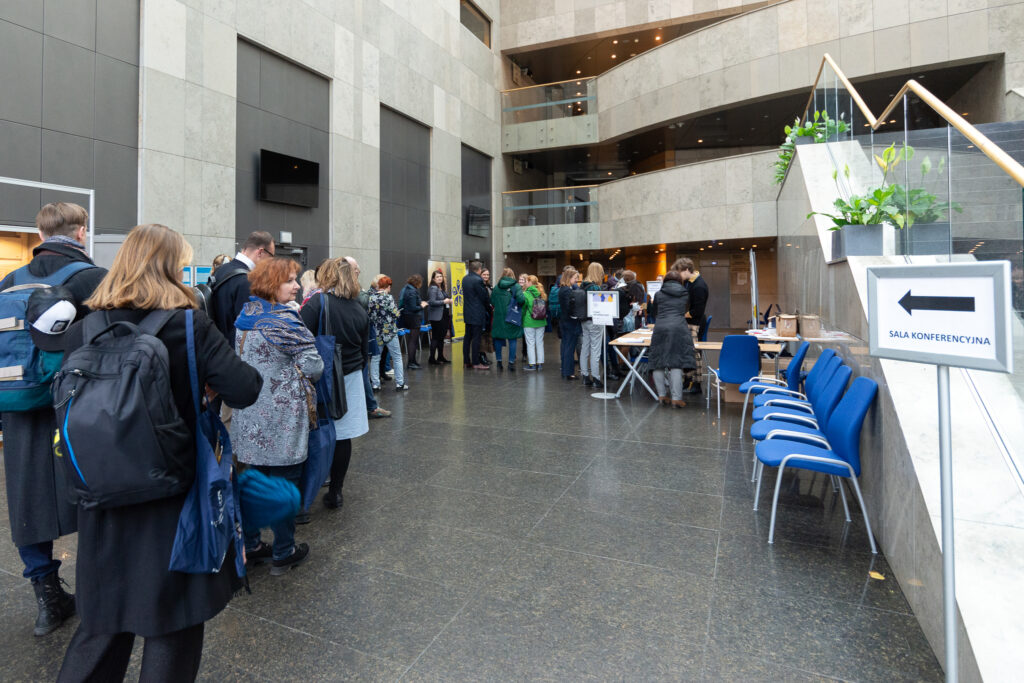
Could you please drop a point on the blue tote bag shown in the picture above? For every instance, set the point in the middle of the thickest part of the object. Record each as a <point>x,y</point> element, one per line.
<point>210,520</point>
<point>319,458</point>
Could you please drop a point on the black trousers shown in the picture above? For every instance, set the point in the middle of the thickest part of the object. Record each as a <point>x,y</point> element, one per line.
<point>339,466</point>
<point>99,658</point>
<point>471,344</point>
<point>438,330</point>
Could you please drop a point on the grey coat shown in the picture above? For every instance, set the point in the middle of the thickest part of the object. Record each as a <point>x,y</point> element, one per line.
<point>436,304</point>
<point>671,343</point>
<point>275,430</point>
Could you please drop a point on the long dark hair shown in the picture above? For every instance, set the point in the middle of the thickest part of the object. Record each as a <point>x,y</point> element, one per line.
<point>444,282</point>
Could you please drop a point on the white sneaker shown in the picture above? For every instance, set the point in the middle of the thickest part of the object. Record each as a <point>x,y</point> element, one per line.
<point>390,374</point>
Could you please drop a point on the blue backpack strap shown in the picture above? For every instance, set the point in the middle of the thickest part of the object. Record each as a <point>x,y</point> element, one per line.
<point>22,276</point>
<point>193,371</point>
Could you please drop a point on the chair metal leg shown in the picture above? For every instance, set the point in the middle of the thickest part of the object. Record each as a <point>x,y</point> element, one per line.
<point>842,495</point>
<point>835,483</point>
<point>754,473</point>
<point>758,473</point>
<point>863,509</point>
<point>718,395</point>
<point>775,504</point>
<point>743,416</point>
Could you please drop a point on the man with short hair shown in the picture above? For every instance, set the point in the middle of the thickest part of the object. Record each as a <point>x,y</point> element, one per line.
<point>37,494</point>
<point>230,286</point>
<point>474,313</point>
<point>698,291</point>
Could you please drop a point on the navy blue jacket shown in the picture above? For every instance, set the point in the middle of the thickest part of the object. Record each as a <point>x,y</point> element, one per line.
<point>229,298</point>
<point>475,299</point>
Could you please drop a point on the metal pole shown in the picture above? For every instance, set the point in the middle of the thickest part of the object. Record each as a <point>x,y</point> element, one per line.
<point>92,222</point>
<point>604,354</point>
<point>946,477</point>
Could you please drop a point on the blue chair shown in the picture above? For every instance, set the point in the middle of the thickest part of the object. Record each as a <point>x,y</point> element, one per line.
<point>702,333</point>
<point>738,362</point>
<point>841,457</point>
<point>801,426</point>
<point>800,408</point>
<point>762,384</point>
<point>810,381</point>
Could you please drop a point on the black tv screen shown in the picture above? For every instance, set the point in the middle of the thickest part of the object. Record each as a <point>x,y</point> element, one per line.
<point>478,221</point>
<point>289,180</point>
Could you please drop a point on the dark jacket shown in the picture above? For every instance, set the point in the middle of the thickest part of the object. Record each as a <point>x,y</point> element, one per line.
<point>507,290</point>
<point>475,299</point>
<point>350,325</point>
<point>565,319</point>
<point>122,582</point>
<point>409,304</point>
<point>671,343</point>
<point>698,290</point>
<point>437,307</point>
<point>229,297</point>
<point>37,501</point>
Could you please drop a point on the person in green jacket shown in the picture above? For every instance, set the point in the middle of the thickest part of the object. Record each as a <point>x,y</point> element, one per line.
<point>533,328</point>
<point>501,298</point>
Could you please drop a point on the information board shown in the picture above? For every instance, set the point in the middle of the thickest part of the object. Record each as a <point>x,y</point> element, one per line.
<point>653,287</point>
<point>955,314</point>
<point>603,306</point>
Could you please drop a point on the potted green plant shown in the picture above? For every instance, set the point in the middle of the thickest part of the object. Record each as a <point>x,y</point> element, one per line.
<point>819,128</point>
<point>926,224</point>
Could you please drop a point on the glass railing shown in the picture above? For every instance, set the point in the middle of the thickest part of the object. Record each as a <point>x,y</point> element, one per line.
<point>550,206</point>
<point>549,101</point>
<point>943,188</point>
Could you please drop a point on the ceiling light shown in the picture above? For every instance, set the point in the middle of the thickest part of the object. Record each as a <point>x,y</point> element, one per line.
<point>609,172</point>
<point>720,244</point>
<point>788,244</point>
<point>892,120</point>
<point>636,40</point>
<point>578,72</point>
<point>632,54</point>
<point>615,42</point>
<point>579,94</point>
<point>753,246</point>
<point>702,248</point>
<point>613,56</point>
<point>964,114</point>
<point>657,37</point>
<point>579,82</point>
<point>700,139</point>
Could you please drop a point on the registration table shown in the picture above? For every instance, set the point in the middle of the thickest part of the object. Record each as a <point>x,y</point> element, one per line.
<point>641,339</point>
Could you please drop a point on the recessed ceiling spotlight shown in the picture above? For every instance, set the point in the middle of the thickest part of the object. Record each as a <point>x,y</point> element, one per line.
<point>657,37</point>
<point>964,114</point>
<point>613,56</point>
<point>615,42</point>
<point>609,172</point>
<point>632,54</point>
<point>636,40</point>
<point>699,140</point>
<point>578,72</point>
<point>753,246</point>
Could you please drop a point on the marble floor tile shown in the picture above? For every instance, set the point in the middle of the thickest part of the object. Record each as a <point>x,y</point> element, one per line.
<point>502,481</point>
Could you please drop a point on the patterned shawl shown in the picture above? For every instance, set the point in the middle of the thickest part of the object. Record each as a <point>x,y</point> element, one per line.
<point>279,324</point>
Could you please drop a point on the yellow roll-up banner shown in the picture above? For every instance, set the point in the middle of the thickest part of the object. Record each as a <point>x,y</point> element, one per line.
<point>458,271</point>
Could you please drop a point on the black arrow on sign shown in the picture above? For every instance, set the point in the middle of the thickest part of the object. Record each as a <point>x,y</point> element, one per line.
<point>936,303</point>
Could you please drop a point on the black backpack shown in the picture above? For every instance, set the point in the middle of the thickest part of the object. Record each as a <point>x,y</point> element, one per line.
<point>578,304</point>
<point>204,298</point>
<point>206,292</point>
<point>119,433</point>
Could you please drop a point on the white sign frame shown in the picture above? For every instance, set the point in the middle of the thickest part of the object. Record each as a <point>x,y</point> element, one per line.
<point>653,287</point>
<point>941,280</point>
<point>602,309</point>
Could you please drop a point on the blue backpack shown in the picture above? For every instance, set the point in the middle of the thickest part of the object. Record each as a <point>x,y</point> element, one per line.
<point>26,370</point>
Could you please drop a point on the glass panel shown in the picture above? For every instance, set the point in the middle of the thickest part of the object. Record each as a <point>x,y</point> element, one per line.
<point>922,192</point>
<point>551,101</point>
<point>990,226</point>
<point>558,206</point>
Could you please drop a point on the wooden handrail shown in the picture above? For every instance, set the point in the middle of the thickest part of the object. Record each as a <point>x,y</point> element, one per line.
<point>546,189</point>
<point>542,85</point>
<point>989,148</point>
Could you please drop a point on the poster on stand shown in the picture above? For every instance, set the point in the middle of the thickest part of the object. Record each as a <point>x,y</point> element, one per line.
<point>653,287</point>
<point>203,274</point>
<point>458,271</point>
<point>603,306</point>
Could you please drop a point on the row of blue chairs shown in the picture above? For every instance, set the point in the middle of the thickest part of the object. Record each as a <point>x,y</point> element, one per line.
<point>817,429</point>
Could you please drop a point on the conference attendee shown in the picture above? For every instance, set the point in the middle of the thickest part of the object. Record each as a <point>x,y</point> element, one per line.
<point>384,323</point>
<point>475,302</point>
<point>218,261</point>
<point>569,322</point>
<point>695,316</point>
<point>373,408</point>
<point>124,586</point>
<point>439,316</point>
<point>350,325</point>
<point>308,282</point>
<point>671,351</point>
<point>590,339</point>
<point>486,341</point>
<point>411,306</point>
<point>503,331</point>
<point>230,287</point>
<point>523,284</point>
<point>533,328</point>
<point>37,505</point>
<point>273,433</point>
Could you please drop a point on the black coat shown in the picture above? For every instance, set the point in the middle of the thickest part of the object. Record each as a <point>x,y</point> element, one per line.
<point>37,501</point>
<point>229,298</point>
<point>476,300</point>
<point>122,581</point>
<point>565,320</point>
<point>350,325</point>
<point>698,290</point>
<point>671,343</point>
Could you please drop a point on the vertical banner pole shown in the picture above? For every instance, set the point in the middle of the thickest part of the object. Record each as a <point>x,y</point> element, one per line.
<point>948,566</point>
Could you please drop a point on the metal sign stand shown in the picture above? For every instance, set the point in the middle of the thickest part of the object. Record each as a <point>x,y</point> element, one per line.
<point>604,354</point>
<point>946,485</point>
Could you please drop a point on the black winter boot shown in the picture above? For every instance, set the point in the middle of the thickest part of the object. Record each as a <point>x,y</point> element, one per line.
<point>55,605</point>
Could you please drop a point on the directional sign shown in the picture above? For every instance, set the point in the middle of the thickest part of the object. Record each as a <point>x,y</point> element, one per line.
<point>955,314</point>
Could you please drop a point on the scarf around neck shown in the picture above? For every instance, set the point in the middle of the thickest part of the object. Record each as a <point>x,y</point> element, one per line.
<point>279,325</point>
<point>65,240</point>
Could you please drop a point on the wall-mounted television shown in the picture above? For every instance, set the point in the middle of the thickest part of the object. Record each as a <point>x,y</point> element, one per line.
<point>289,180</point>
<point>478,221</point>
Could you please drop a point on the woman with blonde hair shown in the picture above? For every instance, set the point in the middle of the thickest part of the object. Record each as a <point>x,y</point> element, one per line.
<point>590,345</point>
<point>533,328</point>
<point>124,587</point>
<point>272,434</point>
<point>350,326</point>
